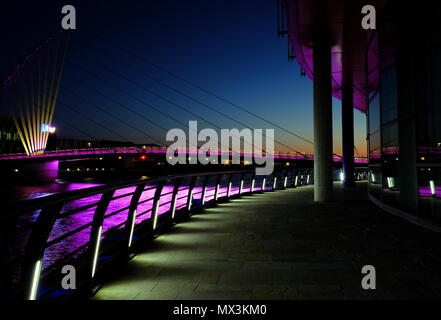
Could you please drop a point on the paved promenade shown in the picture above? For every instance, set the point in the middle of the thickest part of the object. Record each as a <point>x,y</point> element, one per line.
<point>281,245</point>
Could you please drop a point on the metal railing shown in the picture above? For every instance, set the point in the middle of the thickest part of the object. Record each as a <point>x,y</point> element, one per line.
<point>94,229</point>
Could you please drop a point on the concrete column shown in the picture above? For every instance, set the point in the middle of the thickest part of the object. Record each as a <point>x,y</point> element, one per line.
<point>323,182</point>
<point>347,111</point>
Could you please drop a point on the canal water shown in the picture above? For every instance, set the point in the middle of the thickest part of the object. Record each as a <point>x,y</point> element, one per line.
<point>21,191</point>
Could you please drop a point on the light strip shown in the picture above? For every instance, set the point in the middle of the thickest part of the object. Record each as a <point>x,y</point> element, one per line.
<point>190,200</point>
<point>252,186</point>
<point>263,184</point>
<point>229,190</point>
<point>275,183</point>
<point>155,217</point>
<point>132,228</point>
<point>35,280</point>
<point>97,249</point>
<point>241,187</point>
<point>296,180</point>
<point>390,182</point>
<point>432,187</point>
<point>203,194</point>
<point>217,192</point>
<point>286,182</point>
<point>174,205</point>
<point>307,179</point>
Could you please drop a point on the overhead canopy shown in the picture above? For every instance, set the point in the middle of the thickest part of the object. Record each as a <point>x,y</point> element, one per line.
<point>349,42</point>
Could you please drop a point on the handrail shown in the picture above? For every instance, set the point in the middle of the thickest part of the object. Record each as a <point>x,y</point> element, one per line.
<point>67,232</point>
<point>82,193</point>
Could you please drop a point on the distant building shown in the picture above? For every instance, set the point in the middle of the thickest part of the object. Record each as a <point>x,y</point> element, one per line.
<point>9,138</point>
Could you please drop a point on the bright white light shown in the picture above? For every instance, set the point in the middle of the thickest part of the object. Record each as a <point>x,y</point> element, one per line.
<point>263,184</point>
<point>241,187</point>
<point>35,280</point>
<point>217,192</point>
<point>190,200</point>
<point>229,190</point>
<point>132,228</point>
<point>307,179</point>
<point>174,205</point>
<point>155,218</point>
<point>275,183</point>
<point>373,177</point>
<point>97,250</point>
<point>342,176</point>
<point>203,195</point>
<point>432,187</point>
<point>296,180</point>
<point>252,186</point>
<point>46,128</point>
<point>390,182</point>
<point>285,183</point>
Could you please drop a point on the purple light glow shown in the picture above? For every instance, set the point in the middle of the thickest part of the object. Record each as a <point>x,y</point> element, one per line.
<point>117,151</point>
<point>427,192</point>
<point>144,212</point>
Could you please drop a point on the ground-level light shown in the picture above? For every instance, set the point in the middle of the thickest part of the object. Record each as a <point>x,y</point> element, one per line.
<point>97,250</point>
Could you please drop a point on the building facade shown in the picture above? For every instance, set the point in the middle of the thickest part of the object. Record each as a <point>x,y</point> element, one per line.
<point>404,109</point>
<point>392,73</point>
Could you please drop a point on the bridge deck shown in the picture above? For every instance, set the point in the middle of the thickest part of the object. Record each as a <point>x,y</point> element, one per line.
<point>283,246</point>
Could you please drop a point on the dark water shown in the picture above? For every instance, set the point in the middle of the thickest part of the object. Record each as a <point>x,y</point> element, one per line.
<point>18,191</point>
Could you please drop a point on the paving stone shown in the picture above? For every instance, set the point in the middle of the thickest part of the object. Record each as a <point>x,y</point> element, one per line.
<point>282,245</point>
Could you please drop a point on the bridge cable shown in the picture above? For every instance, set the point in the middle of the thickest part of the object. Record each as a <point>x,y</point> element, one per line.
<point>71,109</point>
<point>145,103</point>
<point>193,84</point>
<point>96,106</point>
<point>133,97</point>
<point>171,102</point>
<point>76,128</point>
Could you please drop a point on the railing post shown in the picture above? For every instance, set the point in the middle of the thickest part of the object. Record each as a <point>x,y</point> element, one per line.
<point>230,179</point>
<point>156,200</point>
<point>285,179</point>
<point>275,173</point>
<point>241,183</point>
<point>204,190</point>
<point>175,196</point>
<point>253,181</point>
<point>216,191</point>
<point>33,257</point>
<point>131,217</point>
<point>190,193</point>
<point>96,232</point>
